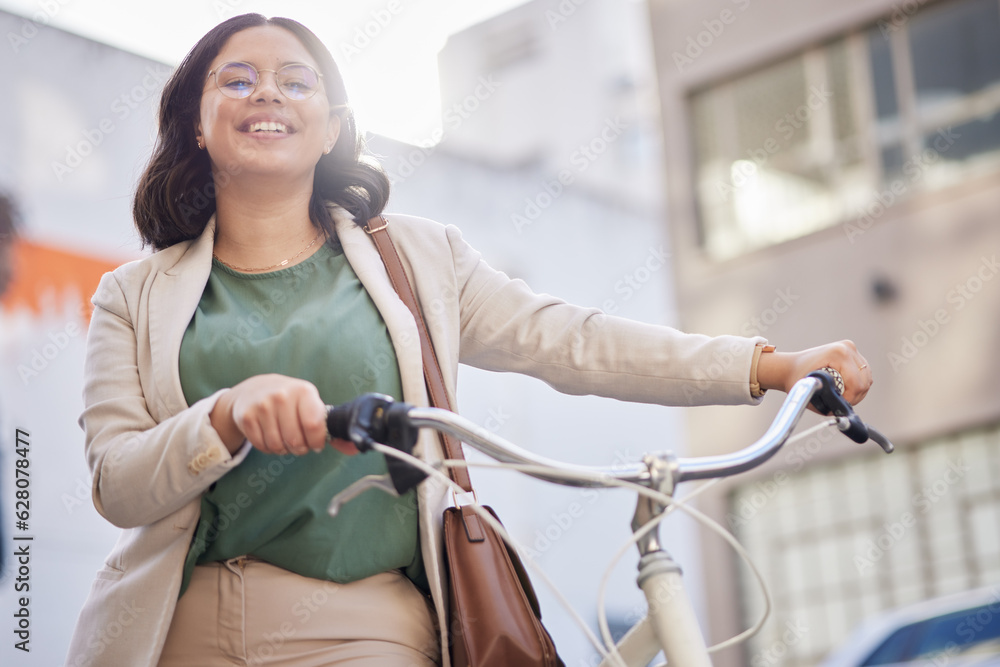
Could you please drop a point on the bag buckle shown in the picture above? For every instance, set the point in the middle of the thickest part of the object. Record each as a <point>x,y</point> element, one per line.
<point>455,494</point>
<point>369,230</point>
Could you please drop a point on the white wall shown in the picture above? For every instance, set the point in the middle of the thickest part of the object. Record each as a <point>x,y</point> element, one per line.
<point>65,96</point>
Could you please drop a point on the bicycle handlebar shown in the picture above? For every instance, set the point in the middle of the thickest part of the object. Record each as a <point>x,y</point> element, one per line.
<point>374,418</point>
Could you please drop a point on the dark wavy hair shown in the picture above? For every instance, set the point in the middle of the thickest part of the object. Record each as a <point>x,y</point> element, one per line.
<point>175,196</point>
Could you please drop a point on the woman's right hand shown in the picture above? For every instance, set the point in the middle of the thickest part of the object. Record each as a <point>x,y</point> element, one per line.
<point>277,414</point>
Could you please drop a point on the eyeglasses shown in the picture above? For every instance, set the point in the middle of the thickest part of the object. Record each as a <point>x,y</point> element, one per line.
<point>239,80</point>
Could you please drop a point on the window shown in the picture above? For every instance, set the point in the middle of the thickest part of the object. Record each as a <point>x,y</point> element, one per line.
<point>943,123</point>
<point>815,140</point>
<point>839,542</point>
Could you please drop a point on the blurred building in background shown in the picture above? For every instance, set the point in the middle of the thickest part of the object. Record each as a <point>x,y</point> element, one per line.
<point>78,118</point>
<point>549,160</point>
<point>833,171</point>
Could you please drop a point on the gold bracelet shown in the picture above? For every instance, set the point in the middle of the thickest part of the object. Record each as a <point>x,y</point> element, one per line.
<point>755,390</point>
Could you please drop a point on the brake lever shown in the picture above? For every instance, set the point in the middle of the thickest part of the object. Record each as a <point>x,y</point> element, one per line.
<point>829,401</point>
<point>381,482</point>
<point>879,438</point>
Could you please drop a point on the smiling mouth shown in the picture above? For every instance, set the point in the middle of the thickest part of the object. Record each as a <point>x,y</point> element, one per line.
<point>268,127</point>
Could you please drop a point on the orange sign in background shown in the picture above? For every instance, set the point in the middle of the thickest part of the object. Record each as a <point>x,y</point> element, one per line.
<point>41,270</point>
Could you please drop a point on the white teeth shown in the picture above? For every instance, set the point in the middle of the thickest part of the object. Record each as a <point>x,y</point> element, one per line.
<point>268,126</point>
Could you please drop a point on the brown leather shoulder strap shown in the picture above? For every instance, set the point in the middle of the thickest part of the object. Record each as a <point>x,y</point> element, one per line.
<point>376,228</point>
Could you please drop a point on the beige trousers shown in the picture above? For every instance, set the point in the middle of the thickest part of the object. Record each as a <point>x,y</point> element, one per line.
<point>247,612</point>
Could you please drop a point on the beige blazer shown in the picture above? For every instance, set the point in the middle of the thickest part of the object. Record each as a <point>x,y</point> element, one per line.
<point>152,456</point>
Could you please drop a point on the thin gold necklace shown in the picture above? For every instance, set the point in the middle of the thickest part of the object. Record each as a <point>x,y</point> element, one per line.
<point>273,266</point>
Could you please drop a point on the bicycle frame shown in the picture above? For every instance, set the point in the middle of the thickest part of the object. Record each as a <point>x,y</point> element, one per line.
<point>670,624</point>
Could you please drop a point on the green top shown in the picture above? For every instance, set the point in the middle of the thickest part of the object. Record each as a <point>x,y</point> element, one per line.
<point>314,321</point>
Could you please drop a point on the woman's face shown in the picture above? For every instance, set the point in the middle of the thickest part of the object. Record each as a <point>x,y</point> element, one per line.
<point>266,132</point>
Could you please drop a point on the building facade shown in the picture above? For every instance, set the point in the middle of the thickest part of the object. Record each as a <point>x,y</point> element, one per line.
<point>833,172</point>
<point>549,161</point>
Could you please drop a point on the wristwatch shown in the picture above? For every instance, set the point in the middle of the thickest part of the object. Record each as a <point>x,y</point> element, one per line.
<point>760,349</point>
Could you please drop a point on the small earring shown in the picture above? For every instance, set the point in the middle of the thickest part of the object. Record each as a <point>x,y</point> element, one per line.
<point>200,146</point>
<point>326,151</point>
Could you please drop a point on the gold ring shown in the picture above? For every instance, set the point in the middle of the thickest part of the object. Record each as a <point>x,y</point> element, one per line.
<point>862,367</point>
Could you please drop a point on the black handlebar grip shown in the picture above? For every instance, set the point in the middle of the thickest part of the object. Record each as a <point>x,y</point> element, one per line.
<point>372,418</point>
<point>828,401</point>
<point>338,418</point>
<point>361,421</point>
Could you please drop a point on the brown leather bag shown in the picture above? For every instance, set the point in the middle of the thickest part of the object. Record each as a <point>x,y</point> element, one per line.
<point>495,620</point>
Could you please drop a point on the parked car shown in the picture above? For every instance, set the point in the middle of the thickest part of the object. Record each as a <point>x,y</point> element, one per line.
<point>960,630</point>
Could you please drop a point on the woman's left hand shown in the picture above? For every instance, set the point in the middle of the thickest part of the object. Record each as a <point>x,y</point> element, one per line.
<point>781,370</point>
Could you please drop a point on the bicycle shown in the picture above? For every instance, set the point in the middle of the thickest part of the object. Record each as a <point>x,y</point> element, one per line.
<point>374,421</point>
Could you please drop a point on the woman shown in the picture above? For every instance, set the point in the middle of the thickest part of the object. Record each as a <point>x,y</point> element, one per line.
<point>209,364</point>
